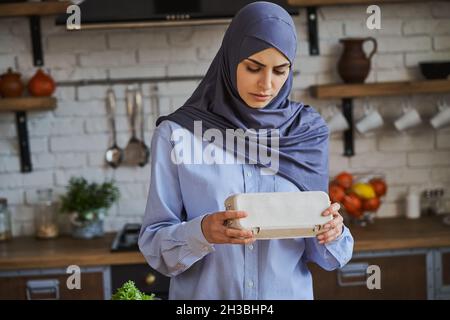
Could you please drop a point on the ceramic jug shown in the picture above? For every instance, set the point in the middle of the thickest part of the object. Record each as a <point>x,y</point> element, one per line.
<point>10,84</point>
<point>354,64</point>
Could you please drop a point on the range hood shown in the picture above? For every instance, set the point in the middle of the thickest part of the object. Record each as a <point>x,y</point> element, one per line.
<point>111,14</point>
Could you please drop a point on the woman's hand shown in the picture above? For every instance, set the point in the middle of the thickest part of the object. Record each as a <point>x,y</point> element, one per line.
<point>332,229</point>
<point>215,230</point>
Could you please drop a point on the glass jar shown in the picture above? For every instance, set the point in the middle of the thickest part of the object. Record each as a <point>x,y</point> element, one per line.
<point>426,203</point>
<point>46,216</point>
<point>5,221</point>
<point>441,207</point>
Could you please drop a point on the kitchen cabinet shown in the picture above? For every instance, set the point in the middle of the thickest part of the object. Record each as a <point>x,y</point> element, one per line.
<point>442,274</point>
<point>403,275</point>
<point>413,256</point>
<point>446,269</point>
<point>96,283</point>
<point>52,284</point>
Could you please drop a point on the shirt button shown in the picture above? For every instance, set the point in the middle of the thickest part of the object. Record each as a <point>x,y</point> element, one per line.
<point>250,284</point>
<point>249,174</point>
<point>250,247</point>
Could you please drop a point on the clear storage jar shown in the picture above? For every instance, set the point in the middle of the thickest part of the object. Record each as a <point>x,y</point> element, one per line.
<point>5,221</point>
<point>46,215</point>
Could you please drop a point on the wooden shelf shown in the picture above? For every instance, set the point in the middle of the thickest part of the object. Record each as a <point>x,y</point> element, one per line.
<point>307,3</point>
<point>27,104</point>
<point>33,8</point>
<point>331,91</point>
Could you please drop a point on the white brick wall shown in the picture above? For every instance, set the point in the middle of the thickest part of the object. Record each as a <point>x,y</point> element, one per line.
<point>441,43</point>
<point>404,44</point>
<point>137,39</point>
<point>71,140</point>
<point>426,26</point>
<point>443,140</point>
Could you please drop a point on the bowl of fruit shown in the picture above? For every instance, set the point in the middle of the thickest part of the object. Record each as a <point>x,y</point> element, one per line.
<point>359,194</point>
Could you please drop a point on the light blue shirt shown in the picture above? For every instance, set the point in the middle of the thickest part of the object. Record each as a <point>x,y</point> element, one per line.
<point>266,269</point>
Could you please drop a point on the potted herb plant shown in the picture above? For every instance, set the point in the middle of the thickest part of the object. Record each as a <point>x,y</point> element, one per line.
<point>87,203</point>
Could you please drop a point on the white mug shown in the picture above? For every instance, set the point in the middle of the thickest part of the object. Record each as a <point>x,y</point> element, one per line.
<point>372,120</point>
<point>442,118</point>
<point>338,123</point>
<point>409,119</point>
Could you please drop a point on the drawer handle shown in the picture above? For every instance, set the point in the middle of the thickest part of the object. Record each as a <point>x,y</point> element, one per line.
<point>353,270</point>
<point>150,279</point>
<point>37,287</point>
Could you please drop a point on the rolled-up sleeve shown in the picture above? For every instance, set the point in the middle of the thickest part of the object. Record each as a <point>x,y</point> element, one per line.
<point>332,255</point>
<point>168,244</point>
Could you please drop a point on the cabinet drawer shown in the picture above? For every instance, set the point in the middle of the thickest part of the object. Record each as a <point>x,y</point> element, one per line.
<point>402,277</point>
<point>146,279</point>
<point>15,287</point>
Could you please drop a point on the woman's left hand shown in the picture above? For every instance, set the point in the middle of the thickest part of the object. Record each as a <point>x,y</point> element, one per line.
<point>332,229</point>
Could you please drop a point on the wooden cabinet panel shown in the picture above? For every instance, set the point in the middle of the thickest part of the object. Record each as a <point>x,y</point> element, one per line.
<point>446,269</point>
<point>402,277</point>
<point>15,287</point>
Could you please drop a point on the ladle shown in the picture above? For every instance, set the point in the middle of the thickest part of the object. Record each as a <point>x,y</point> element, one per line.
<point>114,154</point>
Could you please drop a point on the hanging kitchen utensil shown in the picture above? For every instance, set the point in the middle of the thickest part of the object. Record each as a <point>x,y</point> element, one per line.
<point>114,154</point>
<point>145,151</point>
<point>133,148</point>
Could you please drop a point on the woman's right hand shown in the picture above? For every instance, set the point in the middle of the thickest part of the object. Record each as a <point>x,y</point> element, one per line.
<point>215,230</point>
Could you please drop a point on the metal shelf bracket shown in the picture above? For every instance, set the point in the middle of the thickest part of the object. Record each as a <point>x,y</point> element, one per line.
<point>349,139</point>
<point>313,36</point>
<point>21,116</point>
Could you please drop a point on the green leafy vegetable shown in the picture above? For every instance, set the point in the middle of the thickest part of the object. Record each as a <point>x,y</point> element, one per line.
<point>128,291</point>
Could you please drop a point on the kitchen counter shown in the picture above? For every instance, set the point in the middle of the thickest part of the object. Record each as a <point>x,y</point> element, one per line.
<point>402,233</point>
<point>29,252</point>
<point>384,234</point>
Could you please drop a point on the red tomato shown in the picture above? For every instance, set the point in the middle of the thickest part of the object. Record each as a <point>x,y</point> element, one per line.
<point>344,179</point>
<point>371,204</point>
<point>336,192</point>
<point>352,205</point>
<point>379,186</point>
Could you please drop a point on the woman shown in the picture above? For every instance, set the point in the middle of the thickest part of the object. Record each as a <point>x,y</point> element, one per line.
<point>183,233</point>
